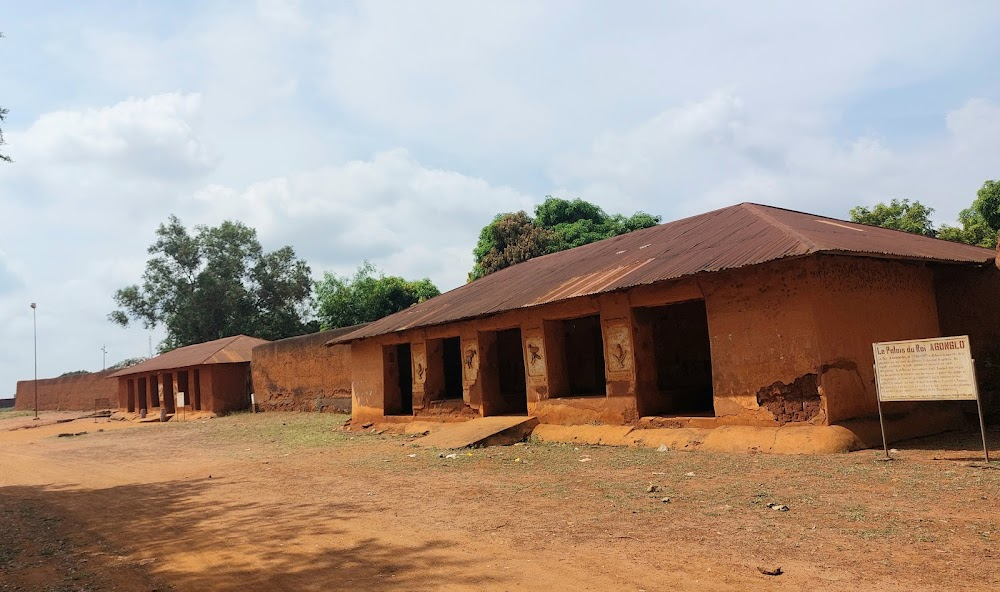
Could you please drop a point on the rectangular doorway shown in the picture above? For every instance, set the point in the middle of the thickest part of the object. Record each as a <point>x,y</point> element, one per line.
<point>577,350</point>
<point>183,387</point>
<point>142,393</point>
<point>683,359</point>
<point>130,392</point>
<point>504,381</point>
<point>154,391</point>
<point>397,365</point>
<point>168,393</point>
<point>452,357</point>
<point>196,401</point>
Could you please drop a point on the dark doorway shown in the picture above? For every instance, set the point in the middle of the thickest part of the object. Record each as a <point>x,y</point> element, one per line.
<point>130,392</point>
<point>397,379</point>
<point>183,387</point>
<point>583,357</point>
<point>154,391</point>
<point>168,393</point>
<point>142,393</point>
<point>452,357</point>
<point>197,390</point>
<point>683,358</point>
<point>510,363</point>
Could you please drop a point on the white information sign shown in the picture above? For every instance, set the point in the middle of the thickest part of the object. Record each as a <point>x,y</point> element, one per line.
<point>180,399</point>
<point>938,369</point>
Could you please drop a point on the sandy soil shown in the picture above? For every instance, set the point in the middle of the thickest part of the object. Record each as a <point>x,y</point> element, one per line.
<point>288,502</point>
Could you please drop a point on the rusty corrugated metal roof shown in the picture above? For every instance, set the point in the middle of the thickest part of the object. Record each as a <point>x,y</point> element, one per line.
<point>227,350</point>
<point>728,238</point>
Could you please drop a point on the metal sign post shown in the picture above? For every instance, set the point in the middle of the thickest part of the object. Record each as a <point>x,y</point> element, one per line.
<point>881,419</point>
<point>979,406</point>
<point>936,369</point>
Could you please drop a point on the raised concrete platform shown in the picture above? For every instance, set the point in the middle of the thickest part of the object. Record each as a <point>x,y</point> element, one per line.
<point>482,431</point>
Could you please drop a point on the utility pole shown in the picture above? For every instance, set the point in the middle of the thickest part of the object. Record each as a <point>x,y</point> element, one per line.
<point>104,360</point>
<point>34,332</point>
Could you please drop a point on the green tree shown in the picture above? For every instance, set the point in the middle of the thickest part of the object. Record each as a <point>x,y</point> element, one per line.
<point>897,215</point>
<point>217,282</point>
<point>979,223</point>
<point>368,296</point>
<point>508,240</point>
<point>559,224</point>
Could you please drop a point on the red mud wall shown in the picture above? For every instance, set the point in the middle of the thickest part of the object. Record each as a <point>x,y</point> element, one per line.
<point>301,374</point>
<point>968,305</point>
<point>861,301</point>
<point>228,387</point>
<point>69,393</point>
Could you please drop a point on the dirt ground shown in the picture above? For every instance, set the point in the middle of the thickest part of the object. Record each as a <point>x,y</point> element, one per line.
<point>281,501</point>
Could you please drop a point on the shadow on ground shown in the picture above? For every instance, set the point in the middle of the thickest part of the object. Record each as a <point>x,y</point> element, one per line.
<point>167,532</point>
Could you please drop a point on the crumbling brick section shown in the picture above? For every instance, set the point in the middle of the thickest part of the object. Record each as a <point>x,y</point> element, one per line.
<point>798,401</point>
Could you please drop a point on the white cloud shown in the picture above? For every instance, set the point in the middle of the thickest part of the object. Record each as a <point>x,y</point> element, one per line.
<point>409,219</point>
<point>722,150</point>
<point>155,136</point>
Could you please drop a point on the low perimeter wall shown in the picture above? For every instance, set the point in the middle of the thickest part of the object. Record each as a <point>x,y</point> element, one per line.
<point>301,374</point>
<point>67,393</point>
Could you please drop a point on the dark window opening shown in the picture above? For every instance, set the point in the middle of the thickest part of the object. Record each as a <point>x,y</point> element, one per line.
<point>452,357</point>
<point>683,359</point>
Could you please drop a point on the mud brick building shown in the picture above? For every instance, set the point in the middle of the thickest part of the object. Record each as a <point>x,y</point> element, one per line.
<point>747,315</point>
<point>214,376</point>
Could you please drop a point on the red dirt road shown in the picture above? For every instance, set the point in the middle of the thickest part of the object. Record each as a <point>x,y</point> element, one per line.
<point>287,502</point>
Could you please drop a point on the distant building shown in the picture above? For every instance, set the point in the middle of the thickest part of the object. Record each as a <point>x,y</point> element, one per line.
<point>214,376</point>
<point>749,315</point>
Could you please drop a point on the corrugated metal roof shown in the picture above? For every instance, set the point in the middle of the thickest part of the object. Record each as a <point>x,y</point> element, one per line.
<point>728,238</point>
<point>227,350</point>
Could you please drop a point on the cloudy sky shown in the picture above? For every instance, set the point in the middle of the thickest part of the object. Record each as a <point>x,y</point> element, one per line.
<point>395,130</point>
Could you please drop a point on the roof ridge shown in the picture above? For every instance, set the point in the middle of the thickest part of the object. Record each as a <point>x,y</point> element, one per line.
<point>758,210</point>
<point>222,347</point>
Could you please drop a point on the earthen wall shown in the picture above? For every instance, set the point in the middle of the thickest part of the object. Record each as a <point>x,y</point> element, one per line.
<point>301,374</point>
<point>67,393</point>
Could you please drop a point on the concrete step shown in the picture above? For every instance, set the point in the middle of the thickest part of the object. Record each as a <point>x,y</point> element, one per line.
<point>499,430</point>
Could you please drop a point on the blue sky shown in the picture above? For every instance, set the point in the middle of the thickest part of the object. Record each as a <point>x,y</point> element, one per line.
<point>394,131</point>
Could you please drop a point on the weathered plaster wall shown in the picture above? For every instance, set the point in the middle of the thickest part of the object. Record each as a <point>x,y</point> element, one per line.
<point>969,304</point>
<point>301,374</point>
<point>69,393</point>
<point>763,331</point>
<point>862,301</point>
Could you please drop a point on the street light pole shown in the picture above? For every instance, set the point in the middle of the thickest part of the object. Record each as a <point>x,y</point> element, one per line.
<point>104,360</point>
<point>34,331</point>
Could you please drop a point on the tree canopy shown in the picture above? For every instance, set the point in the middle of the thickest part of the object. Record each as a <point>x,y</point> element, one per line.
<point>216,282</point>
<point>979,224</point>
<point>559,224</point>
<point>898,215</point>
<point>368,296</point>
